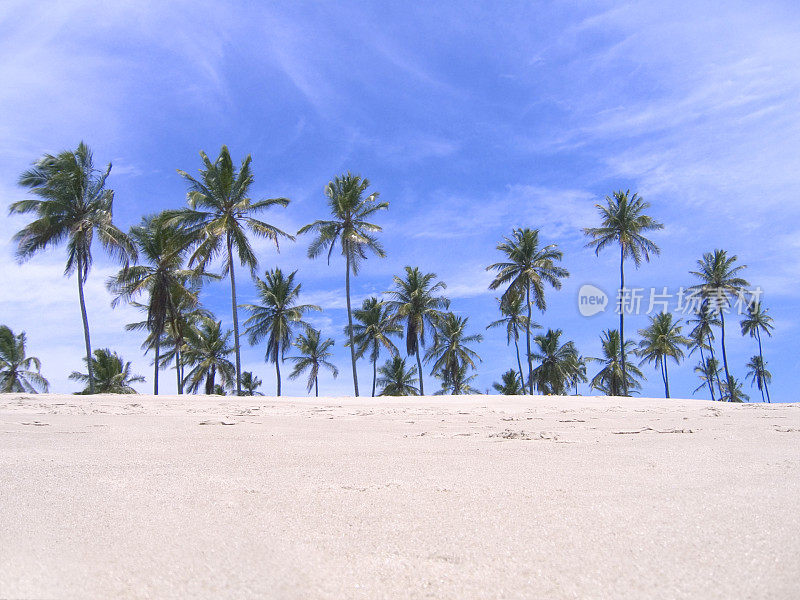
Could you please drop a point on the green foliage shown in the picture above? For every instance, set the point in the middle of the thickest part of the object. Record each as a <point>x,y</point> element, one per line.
<point>18,371</point>
<point>314,354</point>
<point>111,374</point>
<point>395,379</point>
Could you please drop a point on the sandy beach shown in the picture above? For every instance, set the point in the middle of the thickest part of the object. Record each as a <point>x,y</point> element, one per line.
<point>436,497</point>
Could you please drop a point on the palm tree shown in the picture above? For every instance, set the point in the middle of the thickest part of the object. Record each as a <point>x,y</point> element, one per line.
<point>206,350</point>
<point>527,268</point>
<point>182,321</point>
<point>161,278</point>
<point>578,373</point>
<point>458,383</point>
<point>415,302</point>
<point>450,351</point>
<point>558,363</point>
<point>610,379</point>
<point>110,374</point>
<point>314,354</point>
<point>220,215</point>
<point>702,337</point>
<point>623,222</point>
<point>72,205</point>
<point>372,332</point>
<point>734,391</point>
<point>513,320</point>
<point>510,384</point>
<point>708,371</point>
<point>661,340</point>
<point>348,226</point>
<point>756,322</point>
<point>18,371</point>
<point>277,315</point>
<point>719,279</point>
<point>250,383</point>
<point>395,380</point>
<point>758,375</point>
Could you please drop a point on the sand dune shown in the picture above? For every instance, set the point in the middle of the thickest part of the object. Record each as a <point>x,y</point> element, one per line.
<point>465,497</point>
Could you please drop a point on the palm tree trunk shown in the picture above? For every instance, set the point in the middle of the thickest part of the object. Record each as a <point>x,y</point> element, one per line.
<point>85,329</point>
<point>622,318</point>
<point>519,364</point>
<point>278,372</point>
<point>719,381</point>
<point>210,381</point>
<point>316,387</point>
<point>761,356</point>
<point>725,354</point>
<point>350,322</point>
<point>155,370</point>
<point>374,374</point>
<point>235,318</point>
<point>179,375</point>
<point>666,375</point>
<point>528,337</point>
<point>709,381</point>
<point>419,366</point>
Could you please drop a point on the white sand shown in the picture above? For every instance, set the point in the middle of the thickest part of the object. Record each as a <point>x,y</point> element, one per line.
<point>397,498</point>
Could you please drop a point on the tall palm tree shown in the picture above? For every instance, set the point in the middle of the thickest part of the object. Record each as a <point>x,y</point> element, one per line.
<point>18,371</point>
<point>758,375</point>
<point>660,341</point>
<point>314,354</point>
<point>450,351</point>
<point>756,322</point>
<point>708,371</point>
<point>206,350</point>
<point>184,320</point>
<point>251,383</point>
<point>396,380</point>
<point>348,226</point>
<point>510,384</point>
<point>220,215</point>
<point>372,331</point>
<point>611,379</point>
<point>558,363</point>
<point>528,267</point>
<point>414,301</point>
<point>623,222</point>
<point>72,205</point>
<point>277,315</point>
<point>719,280</point>
<point>161,278</point>
<point>513,320</point>
<point>110,374</point>
<point>702,337</point>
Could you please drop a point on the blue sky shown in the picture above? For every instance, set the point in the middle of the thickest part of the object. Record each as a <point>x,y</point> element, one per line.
<point>468,120</point>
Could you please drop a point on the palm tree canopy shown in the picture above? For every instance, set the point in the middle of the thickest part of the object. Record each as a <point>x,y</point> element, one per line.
<point>527,264</point>
<point>314,354</point>
<point>514,319</point>
<point>278,314</point>
<point>111,373</point>
<point>373,329</point>
<point>350,210</point>
<point>623,222</point>
<point>396,379</point>
<point>206,350</point>
<point>719,277</point>
<point>450,351</point>
<point>18,371</point>
<point>703,326</point>
<point>708,371</point>
<point>459,383</point>
<point>510,384</point>
<point>757,372</point>
<point>757,321</point>
<point>662,339</point>
<point>558,363</point>
<point>72,205</point>
<point>415,301</point>
<point>251,383</point>
<point>609,379</point>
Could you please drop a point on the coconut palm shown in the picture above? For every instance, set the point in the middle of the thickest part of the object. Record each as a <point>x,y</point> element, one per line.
<point>372,331</point>
<point>758,375</point>
<point>702,337</point>
<point>513,320</point>
<point>396,380</point>
<point>624,223</point>
<point>458,383</point>
<point>734,392</point>
<point>220,216</point>
<point>578,374</point>
<point>183,320</point>
<point>558,363</point>
<point>609,379</point>
<point>206,351</point>
<point>277,316</point>
<point>161,278</point>
<point>72,205</point>
<point>660,341</point>
<point>314,354</point>
<point>415,302</point>
<point>348,226</point>
<point>719,280</point>
<point>756,322</point>
<point>251,383</point>
<point>708,371</point>
<point>510,384</point>
<point>110,372</point>
<point>18,371</point>
<point>528,267</point>
<point>450,351</point>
